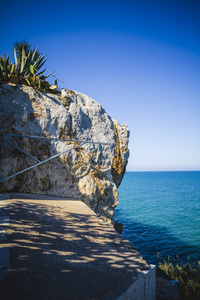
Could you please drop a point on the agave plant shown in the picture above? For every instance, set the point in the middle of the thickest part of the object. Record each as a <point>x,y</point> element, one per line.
<point>4,62</point>
<point>7,69</point>
<point>27,68</point>
<point>18,46</point>
<point>24,57</point>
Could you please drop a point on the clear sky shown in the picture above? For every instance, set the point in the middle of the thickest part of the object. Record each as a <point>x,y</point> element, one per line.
<point>139,59</point>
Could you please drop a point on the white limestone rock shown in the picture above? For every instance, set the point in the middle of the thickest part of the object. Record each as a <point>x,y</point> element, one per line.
<point>91,172</point>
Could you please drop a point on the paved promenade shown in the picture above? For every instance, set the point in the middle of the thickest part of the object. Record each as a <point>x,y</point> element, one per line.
<point>57,248</point>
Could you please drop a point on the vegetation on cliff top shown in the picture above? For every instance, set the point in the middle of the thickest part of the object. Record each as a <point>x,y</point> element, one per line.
<point>26,68</point>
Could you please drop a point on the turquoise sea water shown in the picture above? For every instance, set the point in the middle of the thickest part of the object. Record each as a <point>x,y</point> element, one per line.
<point>160,212</point>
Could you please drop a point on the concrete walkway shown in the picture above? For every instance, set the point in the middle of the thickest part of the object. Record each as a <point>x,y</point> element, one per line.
<point>59,249</point>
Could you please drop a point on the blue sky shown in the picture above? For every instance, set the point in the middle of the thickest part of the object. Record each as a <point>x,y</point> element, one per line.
<point>139,59</point>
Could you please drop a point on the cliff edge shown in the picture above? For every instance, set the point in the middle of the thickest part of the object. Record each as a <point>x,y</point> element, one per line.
<point>90,173</point>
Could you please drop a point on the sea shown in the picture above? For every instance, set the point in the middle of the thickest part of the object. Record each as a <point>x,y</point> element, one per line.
<point>160,213</point>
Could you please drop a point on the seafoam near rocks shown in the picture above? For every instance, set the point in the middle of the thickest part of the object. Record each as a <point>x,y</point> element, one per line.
<point>91,172</point>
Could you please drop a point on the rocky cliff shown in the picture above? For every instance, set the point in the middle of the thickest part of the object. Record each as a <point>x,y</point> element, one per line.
<point>91,172</point>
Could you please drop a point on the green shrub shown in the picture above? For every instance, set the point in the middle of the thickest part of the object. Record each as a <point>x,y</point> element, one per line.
<point>188,276</point>
<point>26,69</point>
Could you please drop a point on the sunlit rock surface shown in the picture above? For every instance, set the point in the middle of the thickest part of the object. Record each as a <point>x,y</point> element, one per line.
<point>91,172</point>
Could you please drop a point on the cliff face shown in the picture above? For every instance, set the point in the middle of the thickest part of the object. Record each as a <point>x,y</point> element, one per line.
<point>91,172</point>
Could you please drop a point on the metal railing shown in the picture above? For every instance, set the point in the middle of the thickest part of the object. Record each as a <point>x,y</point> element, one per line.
<point>41,138</point>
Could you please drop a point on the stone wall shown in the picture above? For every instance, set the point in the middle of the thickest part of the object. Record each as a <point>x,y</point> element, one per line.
<point>144,288</point>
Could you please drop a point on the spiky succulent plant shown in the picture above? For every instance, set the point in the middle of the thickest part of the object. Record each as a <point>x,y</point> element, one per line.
<point>27,68</point>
